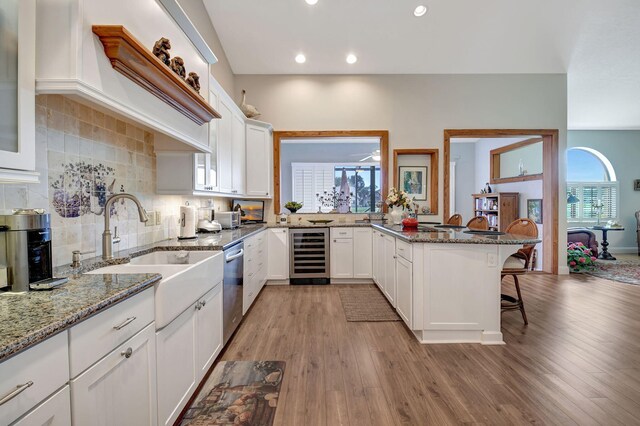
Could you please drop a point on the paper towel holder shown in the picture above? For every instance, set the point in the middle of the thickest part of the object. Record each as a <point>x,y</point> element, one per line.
<point>187,223</point>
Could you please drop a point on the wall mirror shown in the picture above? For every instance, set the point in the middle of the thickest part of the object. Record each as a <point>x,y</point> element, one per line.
<point>330,172</point>
<point>517,162</point>
<point>415,171</point>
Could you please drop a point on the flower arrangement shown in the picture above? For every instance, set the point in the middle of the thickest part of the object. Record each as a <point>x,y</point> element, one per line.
<point>334,199</point>
<point>579,257</point>
<point>399,198</point>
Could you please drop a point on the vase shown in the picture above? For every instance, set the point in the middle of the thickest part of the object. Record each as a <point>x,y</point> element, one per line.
<point>396,215</point>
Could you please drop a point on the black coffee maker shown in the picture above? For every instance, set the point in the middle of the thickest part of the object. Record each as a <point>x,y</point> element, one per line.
<point>25,249</point>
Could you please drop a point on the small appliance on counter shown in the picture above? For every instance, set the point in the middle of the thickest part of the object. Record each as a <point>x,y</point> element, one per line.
<point>25,252</point>
<point>206,223</point>
<point>251,211</point>
<point>187,223</point>
<point>228,220</point>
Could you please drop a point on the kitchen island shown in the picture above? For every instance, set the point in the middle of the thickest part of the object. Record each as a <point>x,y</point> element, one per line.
<point>447,283</point>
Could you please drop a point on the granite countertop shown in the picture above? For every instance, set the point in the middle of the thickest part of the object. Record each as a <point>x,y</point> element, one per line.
<point>443,235</point>
<point>29,318</point>
<point>305,224</point>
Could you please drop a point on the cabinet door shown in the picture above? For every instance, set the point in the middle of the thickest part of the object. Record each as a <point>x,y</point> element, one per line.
<point>177,371</point>
<point>390,269</point>
<point>55,411</point>
<point>209,329</point>
<point>404,286</point>
<point>377,257</point>
<point>238,155</point>
<point>121,388</point>
<point>362,253</point>
<point>278,254</point>
<point>214,130</point>
<point>342,258</point>
<point>17,85</point>
<point>258,161</point>
<point>225,148</point>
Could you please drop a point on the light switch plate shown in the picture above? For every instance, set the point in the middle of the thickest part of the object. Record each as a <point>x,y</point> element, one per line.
<point>492,260</point>
<point>152,219</point>
<point>158,218</point>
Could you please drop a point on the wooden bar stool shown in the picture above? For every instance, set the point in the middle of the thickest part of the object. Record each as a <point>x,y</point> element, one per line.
<point>478,223</point>
<point>518,264</point>
<point>456,219</point>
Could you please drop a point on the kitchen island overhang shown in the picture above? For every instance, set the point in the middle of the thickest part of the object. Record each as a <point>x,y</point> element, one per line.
<point>455,283</point>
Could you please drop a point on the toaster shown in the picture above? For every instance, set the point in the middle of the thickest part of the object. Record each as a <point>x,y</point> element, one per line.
<point>228,220</point>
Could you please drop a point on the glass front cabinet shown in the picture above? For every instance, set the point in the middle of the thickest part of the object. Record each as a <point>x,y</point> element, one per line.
<point>17,91</point>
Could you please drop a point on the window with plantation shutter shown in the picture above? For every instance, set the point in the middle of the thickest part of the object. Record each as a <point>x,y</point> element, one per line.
<point>309,179</point>
<point>592,180</point>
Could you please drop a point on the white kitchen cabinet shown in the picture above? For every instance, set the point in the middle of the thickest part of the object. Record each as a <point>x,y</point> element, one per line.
<point>54,411</point>
<point>341,258</point>
<point>255,268</point>
<point>177,371</point>
<point>389,259</point>
<point>225,147</point>
<point>259,171</point>
<point>121,388</point>
<point>404,287</point>
<point>209,329</point>
<point>362,253</point>
<point>377,246</point>
<point>33,375</point>
<point>17,92</point>
<point>238,154</point>
<point>278,253</point>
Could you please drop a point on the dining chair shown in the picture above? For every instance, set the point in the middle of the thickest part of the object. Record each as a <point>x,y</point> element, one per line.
<point>518,264</point>
<point>478,223</point>
<point>456,219</point>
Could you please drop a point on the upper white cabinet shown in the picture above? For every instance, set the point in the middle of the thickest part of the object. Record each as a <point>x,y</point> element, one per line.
<point>225,147</point>
<point>71,60</point>
<point>238,154</point>
<point>17,92</point>
<point>259,170</point>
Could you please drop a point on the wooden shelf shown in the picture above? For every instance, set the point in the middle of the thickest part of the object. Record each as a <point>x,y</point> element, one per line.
<point>129,57</point>
<point>507,212</point>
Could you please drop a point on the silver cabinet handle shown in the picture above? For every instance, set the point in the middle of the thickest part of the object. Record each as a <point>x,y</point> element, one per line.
<point>204,302</point>
<point>17,391</point>
<point>127,353</point>
<point>124,324</point>
<point>199,305</point>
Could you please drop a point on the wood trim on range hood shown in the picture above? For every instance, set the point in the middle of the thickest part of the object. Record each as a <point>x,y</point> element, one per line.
<point>129,57</point>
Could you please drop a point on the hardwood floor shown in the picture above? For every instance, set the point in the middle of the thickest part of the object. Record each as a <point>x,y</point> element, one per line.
<point>578,361</point>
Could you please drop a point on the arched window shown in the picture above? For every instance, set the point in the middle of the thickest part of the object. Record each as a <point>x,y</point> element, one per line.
<point>592,187</point>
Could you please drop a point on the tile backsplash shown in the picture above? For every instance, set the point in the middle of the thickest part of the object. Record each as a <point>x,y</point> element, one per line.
<point>84,155</point>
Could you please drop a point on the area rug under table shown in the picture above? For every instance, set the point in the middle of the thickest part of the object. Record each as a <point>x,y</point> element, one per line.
<point>238,393</point>
<point>366,305</point>
<point>625,271</point>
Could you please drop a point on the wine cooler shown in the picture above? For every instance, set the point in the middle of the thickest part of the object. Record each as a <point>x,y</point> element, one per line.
<point>309,256</point>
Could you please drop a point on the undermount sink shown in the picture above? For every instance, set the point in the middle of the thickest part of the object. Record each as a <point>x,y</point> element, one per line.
<point>171,258</point>
<point>180,285</point>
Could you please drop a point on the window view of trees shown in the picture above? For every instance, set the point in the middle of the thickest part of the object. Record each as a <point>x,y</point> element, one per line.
<point>364,182</point>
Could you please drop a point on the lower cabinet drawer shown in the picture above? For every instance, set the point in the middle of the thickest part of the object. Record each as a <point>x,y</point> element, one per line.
<point>31,376</point>
<point>404,250</point>
<point>55,411</point>
<point>121,388</point>
<point>92,339</point>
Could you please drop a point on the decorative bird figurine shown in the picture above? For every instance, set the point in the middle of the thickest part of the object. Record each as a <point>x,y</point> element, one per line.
<point>249,110</point>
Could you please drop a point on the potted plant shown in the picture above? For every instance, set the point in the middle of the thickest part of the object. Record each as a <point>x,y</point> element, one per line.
<point>293,206</point>
<point>580,258</point>
<point>398,200</point>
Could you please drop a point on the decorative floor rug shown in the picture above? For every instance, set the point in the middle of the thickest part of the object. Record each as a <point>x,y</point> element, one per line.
<point>238,393</point>
<point>366,305</point>
<point>624,271</point>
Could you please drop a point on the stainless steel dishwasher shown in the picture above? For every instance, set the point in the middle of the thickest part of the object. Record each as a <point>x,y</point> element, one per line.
<point>232,289</point>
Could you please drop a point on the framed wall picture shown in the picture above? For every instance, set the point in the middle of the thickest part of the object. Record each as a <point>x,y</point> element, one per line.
<point>636,185</point>
<point>534,210</point>
<point>413,181</point>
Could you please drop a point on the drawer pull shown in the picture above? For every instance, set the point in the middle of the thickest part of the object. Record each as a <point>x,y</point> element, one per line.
<point>124,324</point>
<point>127,353</point>
<point>17,391</point>
<point>199,305</point>
<point>203,303</point>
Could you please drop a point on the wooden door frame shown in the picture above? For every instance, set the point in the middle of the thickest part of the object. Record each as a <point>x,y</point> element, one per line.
<point>278,135</point>
<point>550,181</point>
<point>433,173</point>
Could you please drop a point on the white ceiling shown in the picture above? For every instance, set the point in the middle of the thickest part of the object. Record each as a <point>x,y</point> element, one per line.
<point>597,42</point>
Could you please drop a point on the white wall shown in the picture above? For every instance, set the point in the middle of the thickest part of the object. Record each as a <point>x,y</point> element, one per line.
<point>416,109</point>
<point>464,155</point>
<point>622,148</point>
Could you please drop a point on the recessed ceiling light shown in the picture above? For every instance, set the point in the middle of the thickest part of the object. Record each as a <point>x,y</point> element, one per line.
<point>311,2</point>
<point>300,58</point>
<point>351,58</point>
<point>420,10</point>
